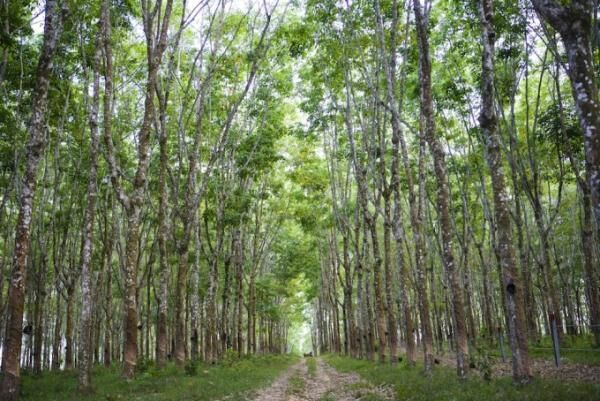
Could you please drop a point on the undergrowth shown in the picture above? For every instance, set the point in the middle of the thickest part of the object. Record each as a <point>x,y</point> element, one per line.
<point>197,382</point>
<point>443,385</point>
<point>311,365</point>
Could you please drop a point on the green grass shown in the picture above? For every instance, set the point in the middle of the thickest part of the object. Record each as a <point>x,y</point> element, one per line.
<point>574,349</point>
<point>236,379</point>
<point>311,364</point>
<point>296,385</point>
<point>443,385</point>
<point>328,396</point>
<point>584,356</point>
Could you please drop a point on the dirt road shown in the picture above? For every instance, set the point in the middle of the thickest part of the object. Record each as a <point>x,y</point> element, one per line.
<point>321,383</point>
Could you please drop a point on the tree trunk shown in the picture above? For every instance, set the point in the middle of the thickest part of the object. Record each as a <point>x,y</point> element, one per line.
<point>85,323</point>
<point>163,232</point>
<point>513,291</point>
<point>590,266</point>
<point>350,331</point>
<point>389,281</point>
<point>132,203</point>
<point>69,329</point>
<point>180,296</point>
<point>378,291</point>
<point>225,306</point>
<point>252,314</point>
<point>239,269</point>
<point>195,301</point>
<point>108,253</point>
<point>443,197</point>
<point>39,310</point>
<point>11,350</point>
<point>56,354</point>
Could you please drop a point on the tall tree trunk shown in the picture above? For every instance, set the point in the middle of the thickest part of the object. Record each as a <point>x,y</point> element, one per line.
<point>108,253</point>
<point>69,329</point>
<point>57,334</point>
<point>156,39</point>
<point>85,323</point>
<point>39,308</point>
<point>11,350</point>
<point>589,264</point>
<point>443,197</point>
<point>378,290</point>
<point>239,269</point>
<point>513,290</point>
<point>251,335</point>
<point>163,232</point>
<point>362,305</point>
<point>180,296</point>
<point>225,305</point>
<point>392,322</point>
<point>519,216</point>
<point>350,330</point>
<point>488,319</point>
<point>195,301</point>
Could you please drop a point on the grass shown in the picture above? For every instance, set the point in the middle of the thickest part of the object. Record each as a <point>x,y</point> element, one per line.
<point>443,385</point>
<point>236,380</point>
<point>311,365</point>
<point>328,396</point>
<point>296,385</point>
<point>573,349</point>
<point>365,391</point>
<point>584,356</point>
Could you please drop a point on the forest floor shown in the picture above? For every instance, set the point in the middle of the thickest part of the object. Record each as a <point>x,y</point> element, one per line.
<point>312,379</point>
<point>327,378</point>
<point>570,371</point>
<point>234,380</point>
<point>411,384</point>
<point>542,366</point>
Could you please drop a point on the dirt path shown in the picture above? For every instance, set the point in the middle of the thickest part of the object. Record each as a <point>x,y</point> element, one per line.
<point>322,383</point>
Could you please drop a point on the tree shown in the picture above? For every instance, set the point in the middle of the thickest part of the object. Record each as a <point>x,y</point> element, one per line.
<point>155,24</point>
<point>513,290</point>
<point>443,196</point>
<point>85,324</point>
<point>11,350</point>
